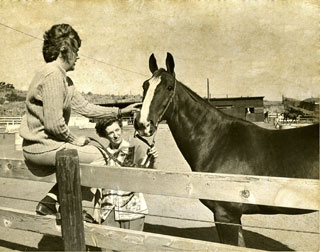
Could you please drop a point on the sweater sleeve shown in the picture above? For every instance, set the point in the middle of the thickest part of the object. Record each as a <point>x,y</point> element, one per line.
<point>80,105</point>
<point>53,93</point>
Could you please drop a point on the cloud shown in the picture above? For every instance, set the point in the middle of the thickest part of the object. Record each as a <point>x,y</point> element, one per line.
<point>244,47</point>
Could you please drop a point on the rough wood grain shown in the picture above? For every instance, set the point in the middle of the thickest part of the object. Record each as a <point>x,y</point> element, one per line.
<point>110,237</point>
<point>285,192</point>
<point>70,199</point>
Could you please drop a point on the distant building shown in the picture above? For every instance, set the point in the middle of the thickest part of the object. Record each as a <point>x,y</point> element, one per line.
<point>118,103</point>
<point>247,108</point>
<point>121,104</point>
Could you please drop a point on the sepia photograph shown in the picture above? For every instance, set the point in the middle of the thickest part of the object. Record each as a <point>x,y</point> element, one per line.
<point>167,125</point>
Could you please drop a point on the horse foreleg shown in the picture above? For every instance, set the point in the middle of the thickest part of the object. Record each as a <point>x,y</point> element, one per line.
<point>228,224</point>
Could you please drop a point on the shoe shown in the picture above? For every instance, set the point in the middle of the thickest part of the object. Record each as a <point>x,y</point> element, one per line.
<point>47,206</point>
<point>88,218</point>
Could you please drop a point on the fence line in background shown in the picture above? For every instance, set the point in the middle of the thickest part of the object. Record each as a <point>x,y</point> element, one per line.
<point>10,124</point>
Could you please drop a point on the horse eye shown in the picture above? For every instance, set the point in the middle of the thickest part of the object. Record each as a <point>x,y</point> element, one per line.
<point>145,85</point>
<point>170,88</point>
<point>144,94</point>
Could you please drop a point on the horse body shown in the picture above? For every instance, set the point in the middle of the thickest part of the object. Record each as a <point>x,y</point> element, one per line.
<point>212,141</point>
<point>234,146</point>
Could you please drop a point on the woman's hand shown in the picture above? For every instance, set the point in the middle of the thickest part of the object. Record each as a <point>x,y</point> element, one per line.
<point>131,108</point>
<point>153,152</point>
<point>82,140</point>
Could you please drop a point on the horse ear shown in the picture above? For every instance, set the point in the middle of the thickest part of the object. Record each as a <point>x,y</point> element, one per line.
<point>153,63</point>
<point>170,63</point>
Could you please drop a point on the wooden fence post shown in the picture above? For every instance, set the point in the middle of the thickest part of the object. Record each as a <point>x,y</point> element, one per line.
<point>68,178</point>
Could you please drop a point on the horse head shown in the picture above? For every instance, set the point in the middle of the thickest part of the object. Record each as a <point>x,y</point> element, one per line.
<point>158,92</point>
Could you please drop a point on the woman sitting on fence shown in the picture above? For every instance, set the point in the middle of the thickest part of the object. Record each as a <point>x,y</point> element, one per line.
<point>115,207</point>
<point>50,98</point>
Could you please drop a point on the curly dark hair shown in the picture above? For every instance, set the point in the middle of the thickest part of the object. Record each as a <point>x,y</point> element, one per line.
<point>59,35</point>
<point>103,123</point>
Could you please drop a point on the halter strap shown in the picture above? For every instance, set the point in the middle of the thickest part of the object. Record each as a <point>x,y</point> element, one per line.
<point>144,140</point>
<point>135,134</point>
<point>170,100</point>
<point>110,155</point>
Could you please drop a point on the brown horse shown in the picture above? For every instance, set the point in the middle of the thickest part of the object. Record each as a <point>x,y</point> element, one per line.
<point>212,141</point>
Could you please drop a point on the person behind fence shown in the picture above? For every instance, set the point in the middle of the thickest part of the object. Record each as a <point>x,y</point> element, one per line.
<point>115,207</point>
<point>50,98</point>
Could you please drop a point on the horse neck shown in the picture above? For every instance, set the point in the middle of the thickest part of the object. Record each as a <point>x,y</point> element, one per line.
<point>192,121</point>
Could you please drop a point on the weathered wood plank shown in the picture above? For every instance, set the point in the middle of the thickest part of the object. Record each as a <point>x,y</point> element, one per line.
<point>17,169</point>
<point>272,191</point>
<point>130,240</point>
<point>28,221</point>
<point>68,178</point>
<point>110,237</point>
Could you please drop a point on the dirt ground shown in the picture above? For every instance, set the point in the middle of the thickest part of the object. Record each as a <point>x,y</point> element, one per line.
<point>184,217</point>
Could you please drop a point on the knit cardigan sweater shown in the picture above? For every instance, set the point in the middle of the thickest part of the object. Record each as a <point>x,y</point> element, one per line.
<point>50,98</point>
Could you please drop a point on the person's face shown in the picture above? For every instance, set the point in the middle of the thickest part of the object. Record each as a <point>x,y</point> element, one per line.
<point>72,57</point>
<point>114,134</point>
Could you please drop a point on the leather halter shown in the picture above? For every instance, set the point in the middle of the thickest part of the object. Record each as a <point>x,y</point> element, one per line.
<point>170,100</point>
<point>160,117</point>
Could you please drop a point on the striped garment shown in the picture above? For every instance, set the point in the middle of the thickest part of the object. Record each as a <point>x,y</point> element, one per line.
<point>50,98</point>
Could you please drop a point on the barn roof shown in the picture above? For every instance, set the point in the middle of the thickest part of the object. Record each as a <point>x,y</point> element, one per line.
<point>237,98</point>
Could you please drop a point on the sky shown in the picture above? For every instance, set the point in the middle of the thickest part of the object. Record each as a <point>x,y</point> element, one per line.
<point>244,48</point>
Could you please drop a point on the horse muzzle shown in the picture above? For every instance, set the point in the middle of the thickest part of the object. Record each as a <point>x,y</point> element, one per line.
<point>144,128</point>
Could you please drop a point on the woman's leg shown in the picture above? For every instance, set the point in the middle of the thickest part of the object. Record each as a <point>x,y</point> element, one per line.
<point>136,224</point>
<point>45,162</point>
<point>87,154</point>
<point>111,220</point>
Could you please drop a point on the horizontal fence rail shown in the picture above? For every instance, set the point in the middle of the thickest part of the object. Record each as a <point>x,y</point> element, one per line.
<point>110,237</point>
<point>285,192</point>
<point>10,124</point>
<point>271,191</point>
<point>12,120</point>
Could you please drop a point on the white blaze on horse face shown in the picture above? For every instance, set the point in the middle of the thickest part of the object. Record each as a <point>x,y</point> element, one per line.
<point>153,83</point>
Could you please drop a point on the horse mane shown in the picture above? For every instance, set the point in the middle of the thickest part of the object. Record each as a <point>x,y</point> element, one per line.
<point>198,99</point>
<point>194,95</point>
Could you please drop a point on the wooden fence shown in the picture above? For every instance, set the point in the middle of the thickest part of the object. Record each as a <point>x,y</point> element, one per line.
<point>284,192</point>
<point>302,119</point>
<point>10,121</point>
